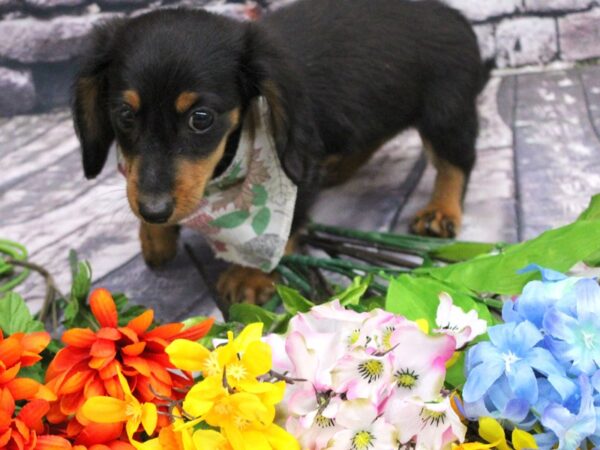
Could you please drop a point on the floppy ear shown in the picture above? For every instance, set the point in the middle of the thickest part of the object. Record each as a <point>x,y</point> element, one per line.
<point>90,103</point>
<point>268,72</point>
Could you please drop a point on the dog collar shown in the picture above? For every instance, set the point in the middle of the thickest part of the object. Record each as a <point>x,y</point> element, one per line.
<point>246,213</point>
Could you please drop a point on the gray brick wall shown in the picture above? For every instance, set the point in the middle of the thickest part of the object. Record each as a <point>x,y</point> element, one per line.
<point>40,39</point>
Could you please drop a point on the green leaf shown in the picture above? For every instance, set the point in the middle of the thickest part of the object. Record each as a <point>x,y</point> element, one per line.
<point>455,375</point>
<point>462,251</point>
<point>260,195</point>
<point>558,249</point>
<point>261,220</point>
<point>353,293</point>
<point>418,298</point>
<point>231,220</point>
<point>126,312</point>
<point>246,314</point>
<point>293,301</point>
<point>82,281</point>
<point>15,317</point>
<point>35,372</point>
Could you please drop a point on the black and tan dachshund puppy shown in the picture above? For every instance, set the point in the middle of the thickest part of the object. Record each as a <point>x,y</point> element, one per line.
<point>340,77</point>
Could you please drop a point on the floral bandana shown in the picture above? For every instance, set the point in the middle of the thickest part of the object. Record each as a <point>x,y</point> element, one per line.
<point>246,213</point>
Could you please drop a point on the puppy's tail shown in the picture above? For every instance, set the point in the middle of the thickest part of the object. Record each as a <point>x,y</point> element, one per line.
<point>486,72</point>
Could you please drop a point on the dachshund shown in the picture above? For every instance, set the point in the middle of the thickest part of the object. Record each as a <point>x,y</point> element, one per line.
<point>341,78</point>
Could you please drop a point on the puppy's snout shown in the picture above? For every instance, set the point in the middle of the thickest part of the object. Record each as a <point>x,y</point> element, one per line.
<point>156,208</point>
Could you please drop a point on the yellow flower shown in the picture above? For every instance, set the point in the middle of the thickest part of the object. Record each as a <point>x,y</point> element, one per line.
<point>491,431</point>
<point>473,446</point>
<point>171,439</point>
<point>129,410</point>
<point>211,439</point>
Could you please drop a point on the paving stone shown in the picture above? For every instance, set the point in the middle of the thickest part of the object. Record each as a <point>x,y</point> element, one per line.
<point>494,129</point>
<point>487,40</point>
<point>7,5</point>
<point>526,40</point>
<point>580,35</point>
<point>557,5</point>
<point>557,151</point>
<point>36,40</point>
<point>50,4</point>
<point>591,83</point>
<point>17,92</point>
<point>481,10</point>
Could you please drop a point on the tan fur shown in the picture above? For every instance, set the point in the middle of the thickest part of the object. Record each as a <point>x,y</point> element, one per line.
<point>185,100</point>
<point>443,215</point>
<point>132,98</point>
<point>159,243</point>
<point>132,176</point>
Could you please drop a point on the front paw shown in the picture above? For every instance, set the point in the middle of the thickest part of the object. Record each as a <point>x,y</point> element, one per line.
<point>246,285</point>
<point>437,221</point>
<point>159,244</point>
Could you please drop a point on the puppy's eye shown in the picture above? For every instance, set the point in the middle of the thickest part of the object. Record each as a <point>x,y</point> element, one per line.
<point>125,117</point>
<point>201,120</point>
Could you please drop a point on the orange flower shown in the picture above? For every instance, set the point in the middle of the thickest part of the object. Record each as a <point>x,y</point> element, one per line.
<point>17,351</point>
<point>87,367</point>
<point>50,442</point>
<point>20,432</point>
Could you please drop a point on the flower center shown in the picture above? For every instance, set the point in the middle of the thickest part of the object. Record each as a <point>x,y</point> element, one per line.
<point>371,370</point>
<point>432,417</point>
<point>406,378</point>
<point>211,365</point>
<point>509,359</point>
<point>353,338</point>
<point>386,338</point>
<point>588,340</point>
<point>237,371</point>
<point>362,440</point>
<point>324,422</point>
<point>240,422</point>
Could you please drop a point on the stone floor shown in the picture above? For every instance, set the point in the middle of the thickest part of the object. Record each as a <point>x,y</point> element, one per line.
<point>539,163</point>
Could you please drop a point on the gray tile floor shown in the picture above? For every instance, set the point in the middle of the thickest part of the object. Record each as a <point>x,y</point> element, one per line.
<point>539,163</point>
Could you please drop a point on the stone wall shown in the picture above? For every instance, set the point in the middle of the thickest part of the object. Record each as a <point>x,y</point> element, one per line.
<point>40,39</point>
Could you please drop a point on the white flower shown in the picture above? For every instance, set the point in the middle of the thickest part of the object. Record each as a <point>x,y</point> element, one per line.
<point>419,363</point>
<point>453,321</point>
<point>361,375</point>
<point>363,429</point>
<point>433,425</point>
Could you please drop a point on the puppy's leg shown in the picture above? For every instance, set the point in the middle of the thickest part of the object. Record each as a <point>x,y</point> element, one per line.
<point>244,284</point>
<point>452,151</point>
<point>159,243</point>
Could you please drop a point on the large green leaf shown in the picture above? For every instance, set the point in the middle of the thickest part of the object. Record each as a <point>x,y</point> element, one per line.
<point>15,316</point>
<point>418,298</point>
<point>355,292</point>
<point>558,249</point>
<point>246,314</point>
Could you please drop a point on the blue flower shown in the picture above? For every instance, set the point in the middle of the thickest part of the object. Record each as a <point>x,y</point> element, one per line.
<point>554,290</point>
<point>571,429</point>
<point>512,353</point>
<point>576,340</point>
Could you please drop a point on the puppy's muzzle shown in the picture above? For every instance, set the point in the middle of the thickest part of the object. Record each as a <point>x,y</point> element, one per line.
<point>156,208</point>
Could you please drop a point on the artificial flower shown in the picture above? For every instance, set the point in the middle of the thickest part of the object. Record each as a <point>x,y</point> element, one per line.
<point>129,410</point>
<point>362,428</point>
<point>88,365</point>
<point>511,353</point>
<point>492,431</point>
<point>21,432</point>
<point>453,321</point>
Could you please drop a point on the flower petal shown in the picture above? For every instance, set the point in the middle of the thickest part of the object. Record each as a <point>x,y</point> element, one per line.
<point>187,355</point>
<point>149,418</point>
<point>480,378</point>
<point>103,308</point>
<point>105,410</point>
<point>522,440</point>
<point>197,331</point>
<point>492,431</point>
<point>50,442</point>
<point>79,337</point>
<point>142,322</point>
<point>522,381</point>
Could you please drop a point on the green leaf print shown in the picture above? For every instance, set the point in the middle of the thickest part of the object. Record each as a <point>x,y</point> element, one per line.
<point>231,220</point>
<point>261,220</point>
<point>260,195</point>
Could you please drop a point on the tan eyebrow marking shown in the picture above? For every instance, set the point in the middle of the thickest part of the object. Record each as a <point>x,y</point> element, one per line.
<point>132,98</point>
<point>185,101</point>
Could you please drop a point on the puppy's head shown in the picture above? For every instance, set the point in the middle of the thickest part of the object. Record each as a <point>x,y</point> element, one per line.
<point>171,87</point>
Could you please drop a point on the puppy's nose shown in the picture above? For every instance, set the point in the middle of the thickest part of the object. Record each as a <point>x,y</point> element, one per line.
<point>156,208</point>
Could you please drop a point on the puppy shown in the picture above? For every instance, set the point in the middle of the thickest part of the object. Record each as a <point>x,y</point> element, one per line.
<point>172,88</point>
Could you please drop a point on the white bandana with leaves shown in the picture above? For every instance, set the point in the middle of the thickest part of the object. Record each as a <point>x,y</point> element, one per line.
<point>246,213</point>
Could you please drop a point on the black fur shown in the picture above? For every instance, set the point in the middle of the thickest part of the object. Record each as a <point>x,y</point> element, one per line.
<point>342,77</point>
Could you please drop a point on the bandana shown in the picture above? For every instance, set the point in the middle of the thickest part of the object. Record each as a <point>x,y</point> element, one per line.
<point>246,213</point>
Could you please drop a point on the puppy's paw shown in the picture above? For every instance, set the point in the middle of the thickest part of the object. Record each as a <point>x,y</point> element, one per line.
<point>159,244</point>
<point>437,221</point>
<point>246,285</point>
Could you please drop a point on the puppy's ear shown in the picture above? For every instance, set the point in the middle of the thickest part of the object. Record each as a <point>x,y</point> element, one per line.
<point>90,99</point>
<point>268,72</point>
